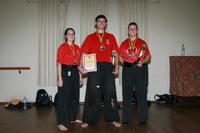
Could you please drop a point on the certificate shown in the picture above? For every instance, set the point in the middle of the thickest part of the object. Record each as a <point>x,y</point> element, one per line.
<point>89,62</point>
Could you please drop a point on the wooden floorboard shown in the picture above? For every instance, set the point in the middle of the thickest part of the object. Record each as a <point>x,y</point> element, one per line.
<point>162,119</point>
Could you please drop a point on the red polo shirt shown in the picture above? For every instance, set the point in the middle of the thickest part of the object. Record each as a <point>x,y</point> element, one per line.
<point>92,45</point>
<point>124,50</point>
<point>65,55</point>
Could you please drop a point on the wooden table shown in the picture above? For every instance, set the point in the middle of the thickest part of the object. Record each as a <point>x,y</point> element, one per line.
<point>185,76</point>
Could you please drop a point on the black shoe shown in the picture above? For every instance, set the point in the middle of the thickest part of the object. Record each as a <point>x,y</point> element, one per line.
<point>143,123</point>
<point>124,123</point>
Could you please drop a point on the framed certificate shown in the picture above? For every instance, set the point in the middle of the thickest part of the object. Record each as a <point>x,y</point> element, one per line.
<point>89,62</point>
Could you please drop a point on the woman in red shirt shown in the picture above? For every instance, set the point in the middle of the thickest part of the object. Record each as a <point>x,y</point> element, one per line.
<point>134,55</point>
<point>69,80</point>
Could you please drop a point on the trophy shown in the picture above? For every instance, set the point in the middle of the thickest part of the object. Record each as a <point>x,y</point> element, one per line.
<point>142,51</point>
<point>112,103</point>
<point>113,53</point>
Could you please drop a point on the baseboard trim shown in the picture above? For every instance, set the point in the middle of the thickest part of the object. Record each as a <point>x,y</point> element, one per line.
<point>3,103</point>
<point>120,102</point>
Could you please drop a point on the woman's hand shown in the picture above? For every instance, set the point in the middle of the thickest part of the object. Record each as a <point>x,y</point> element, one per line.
<point>139,64</point>
<point>60,82</point>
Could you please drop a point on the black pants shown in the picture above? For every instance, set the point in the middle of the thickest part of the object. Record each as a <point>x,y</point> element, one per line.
<point>68,95</point>
<point>135,77</point>
<point>102,81</point>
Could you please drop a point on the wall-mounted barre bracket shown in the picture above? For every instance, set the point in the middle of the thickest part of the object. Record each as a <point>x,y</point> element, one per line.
<point>15,68</point>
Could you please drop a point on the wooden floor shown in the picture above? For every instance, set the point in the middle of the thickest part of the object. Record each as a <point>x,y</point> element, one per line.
<point>162,119</point>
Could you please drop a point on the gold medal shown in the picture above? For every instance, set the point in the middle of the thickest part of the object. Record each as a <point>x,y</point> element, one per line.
<point>102,48</point>
<point>131,48</point>
<point>131,54</point>
<point>74,61</point>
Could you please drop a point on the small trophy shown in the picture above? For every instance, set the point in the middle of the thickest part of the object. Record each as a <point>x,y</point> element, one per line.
<point>142,51</point>
<point>112,103</point>
<point>113,53</point>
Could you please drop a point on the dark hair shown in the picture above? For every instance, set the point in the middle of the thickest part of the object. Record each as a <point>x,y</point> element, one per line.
<point>101,16</point>
<point>67,31</point>
<point>133,23</point>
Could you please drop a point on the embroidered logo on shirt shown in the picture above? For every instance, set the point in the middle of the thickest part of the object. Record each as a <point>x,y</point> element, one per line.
<point>107,41</point>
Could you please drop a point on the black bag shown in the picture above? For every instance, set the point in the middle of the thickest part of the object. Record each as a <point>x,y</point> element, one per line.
<point>14,104</point>
<point>42,98</point>
<point>163,99</point>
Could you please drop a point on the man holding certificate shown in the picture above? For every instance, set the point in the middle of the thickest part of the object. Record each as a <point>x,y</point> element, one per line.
<point>134,55</point>
<point>99,51</point>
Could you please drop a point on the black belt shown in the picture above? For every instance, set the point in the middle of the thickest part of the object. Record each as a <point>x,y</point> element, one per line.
<point>69,66</point>
<point>128,64</point>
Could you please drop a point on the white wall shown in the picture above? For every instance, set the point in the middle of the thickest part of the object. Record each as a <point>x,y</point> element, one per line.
<point>18,47</point>
<point>171,22</point>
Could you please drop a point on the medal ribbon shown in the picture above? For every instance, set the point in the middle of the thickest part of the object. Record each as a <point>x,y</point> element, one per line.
<point>73,50</point>
<point>132,44</point>
<point>100,38</point>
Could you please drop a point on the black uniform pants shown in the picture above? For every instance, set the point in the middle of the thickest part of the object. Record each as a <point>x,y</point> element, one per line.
<point>134,77</point>
<point>68,95</point>
<point>102,81</point>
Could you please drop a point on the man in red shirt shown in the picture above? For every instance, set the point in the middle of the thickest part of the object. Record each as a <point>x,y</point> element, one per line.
<point>134,55</point>
<point>102,81</point>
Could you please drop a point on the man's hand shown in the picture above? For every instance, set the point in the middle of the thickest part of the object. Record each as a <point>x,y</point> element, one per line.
<point>116,71</point>
<point>81,81</point>
<point>82,70</point>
